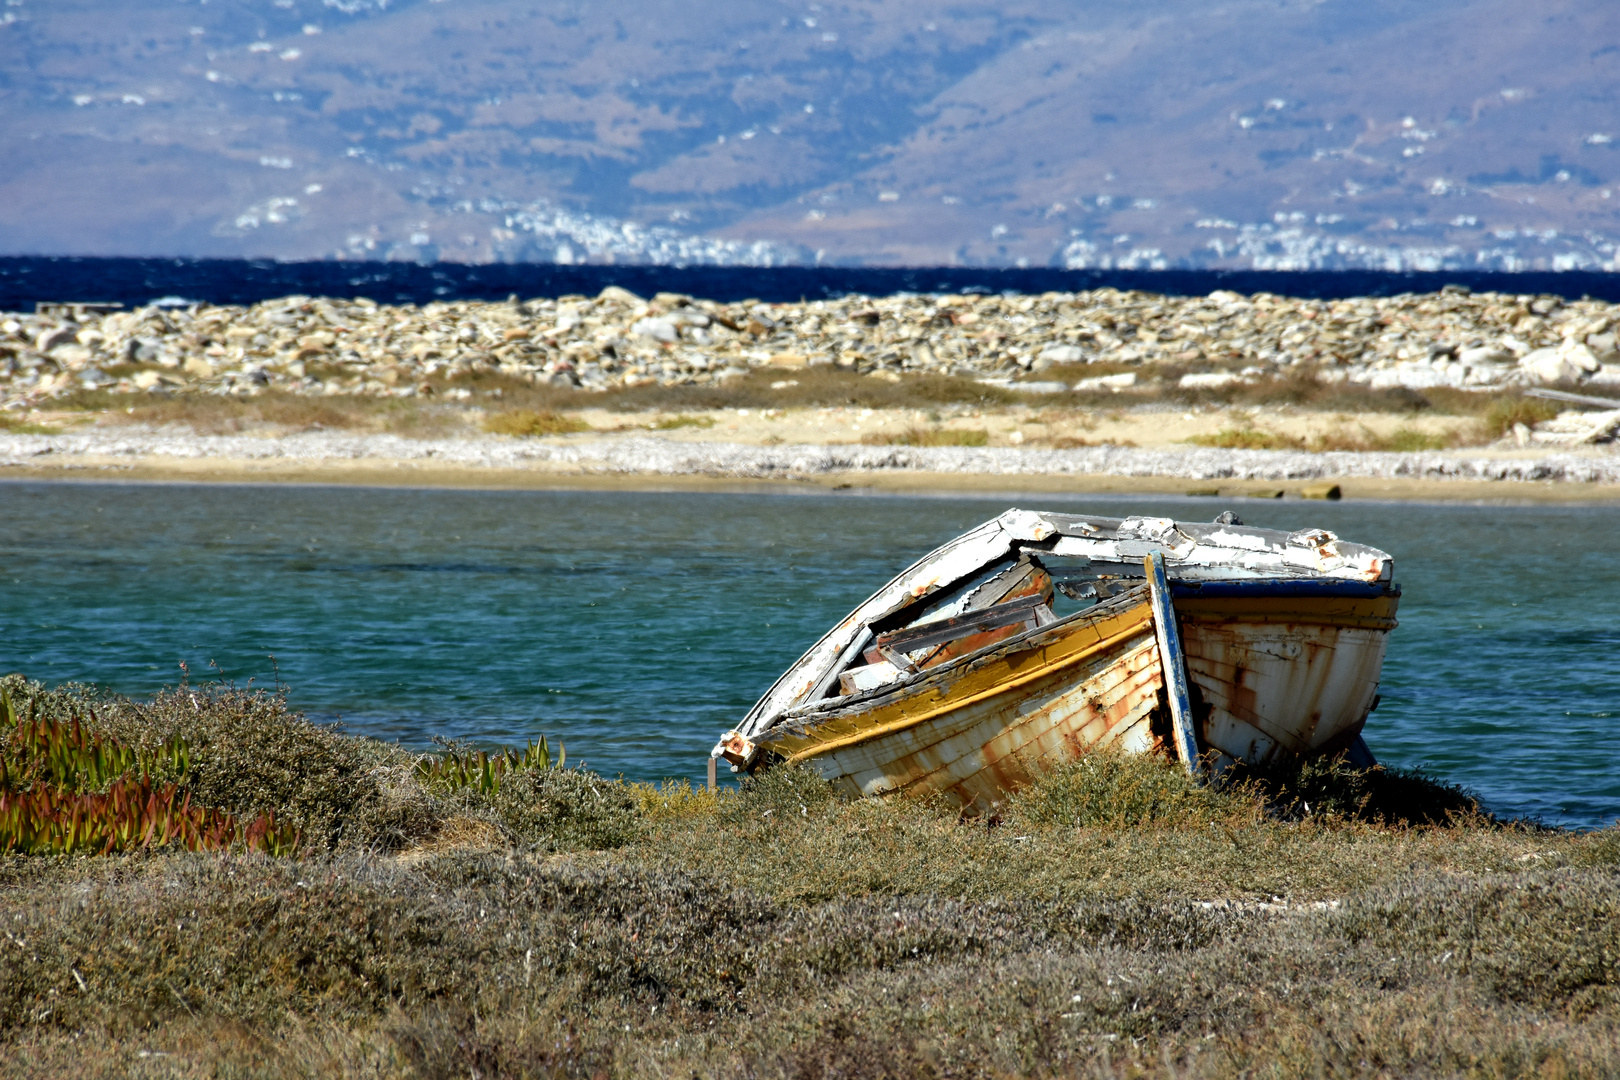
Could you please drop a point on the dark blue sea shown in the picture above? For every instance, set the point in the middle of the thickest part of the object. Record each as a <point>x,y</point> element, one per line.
<point>27,280</point>
<point>637,627</point>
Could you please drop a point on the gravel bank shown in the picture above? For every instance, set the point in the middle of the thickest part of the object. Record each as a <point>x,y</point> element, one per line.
<point>665,457</point>
<point>1041,344</point>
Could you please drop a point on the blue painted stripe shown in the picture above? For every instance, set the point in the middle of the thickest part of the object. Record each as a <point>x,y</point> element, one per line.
<point>1173,663</point>
<point>1188,590</point>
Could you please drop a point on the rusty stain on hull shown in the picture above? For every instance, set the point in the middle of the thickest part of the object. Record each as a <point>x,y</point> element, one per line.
<point>1283,689</point>
<point>1282,637</point>
<point>986,728</point>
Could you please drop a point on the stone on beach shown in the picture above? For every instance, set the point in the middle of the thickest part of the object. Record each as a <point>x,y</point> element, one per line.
<point>1107,382</point>
<point>1573,428</point>
<point>319,347</point>
<point>1209,380</point>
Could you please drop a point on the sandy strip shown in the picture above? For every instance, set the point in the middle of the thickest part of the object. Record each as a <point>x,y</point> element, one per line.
<point>649,462</point>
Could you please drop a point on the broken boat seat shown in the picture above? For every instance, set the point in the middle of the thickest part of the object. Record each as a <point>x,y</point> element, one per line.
<point>896,653</point>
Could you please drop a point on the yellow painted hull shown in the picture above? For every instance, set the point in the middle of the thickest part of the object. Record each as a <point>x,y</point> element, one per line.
<point>982,727</point>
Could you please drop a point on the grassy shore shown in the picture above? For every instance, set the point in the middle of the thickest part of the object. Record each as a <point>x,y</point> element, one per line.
<point>1282,411</point>
<point>441,915</point>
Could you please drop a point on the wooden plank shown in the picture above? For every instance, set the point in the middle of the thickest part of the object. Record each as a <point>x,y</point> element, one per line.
<point>712,779</point>
<point>837,668</point>
<point>1573,399</point>
<point>945,631</point>
<point>1172,662</point>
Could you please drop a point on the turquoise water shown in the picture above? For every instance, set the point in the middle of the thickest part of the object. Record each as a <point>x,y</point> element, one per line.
<point>637,627</point>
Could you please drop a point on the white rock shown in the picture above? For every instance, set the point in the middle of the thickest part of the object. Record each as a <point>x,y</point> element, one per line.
<point>50,339</point>
<point>657,329</point>
<point>1052,387</point>
<point>620,296</point>
<point>71,355</point>
<point>1515,346</point>
<point>1487,374</point>
<point>1415,376</point>
<point>1061,354</point>
<point>1107,382</point>
<point>1577,355</point>
<point>1547,365</point>
<point>1484,354</point>
<point>1209,380</point>
<point>1608,375</point>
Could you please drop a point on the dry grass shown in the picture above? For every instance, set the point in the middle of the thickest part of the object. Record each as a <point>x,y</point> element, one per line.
<point>1504,412</point>
<point>822,385</point>
<point>1248,438</point>
<point>1299,388</point>
<point>810,387</point>
<point>675,423</point>
<point>531,423</point>
<point>919,436</point>
<point>14,426</point>
<point>1073,442</point>
<point>1118,921</point>
<point>1403,439</point>
<point>214,414</point>
<point>514,401</point>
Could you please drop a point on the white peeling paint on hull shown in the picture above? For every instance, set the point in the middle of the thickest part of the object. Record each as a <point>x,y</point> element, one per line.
<point>1283,689</point>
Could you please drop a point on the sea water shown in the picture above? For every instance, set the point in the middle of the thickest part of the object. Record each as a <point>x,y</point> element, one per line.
<point>637,627</point>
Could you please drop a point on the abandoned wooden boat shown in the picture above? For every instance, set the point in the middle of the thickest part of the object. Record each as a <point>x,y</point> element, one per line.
<point>1038,636</point>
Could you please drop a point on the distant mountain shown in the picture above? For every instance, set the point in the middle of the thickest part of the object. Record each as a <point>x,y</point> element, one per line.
<point>1253,133</point>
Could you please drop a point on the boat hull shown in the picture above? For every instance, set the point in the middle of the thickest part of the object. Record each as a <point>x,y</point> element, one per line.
<point>1283,676</point>
<point>990,724</point>
<point>1271,676</point>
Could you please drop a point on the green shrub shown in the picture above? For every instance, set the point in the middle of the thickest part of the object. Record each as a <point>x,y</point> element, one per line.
<point>672,423</point>
<point>1331,787</point>
<point>1408,440</point>
<point>67,788</point>
<point>1109,789</point>
<point>1505,412</point>
<point>566,810</point>
<point>1248,439</point>
<point>246,753</point>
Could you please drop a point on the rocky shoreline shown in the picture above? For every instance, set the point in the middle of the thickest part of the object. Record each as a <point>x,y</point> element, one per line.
<point>1041,344</point>
<point>667,457</point>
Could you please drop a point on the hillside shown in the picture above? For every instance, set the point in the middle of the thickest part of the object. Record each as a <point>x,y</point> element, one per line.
<point>1451,133</point>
